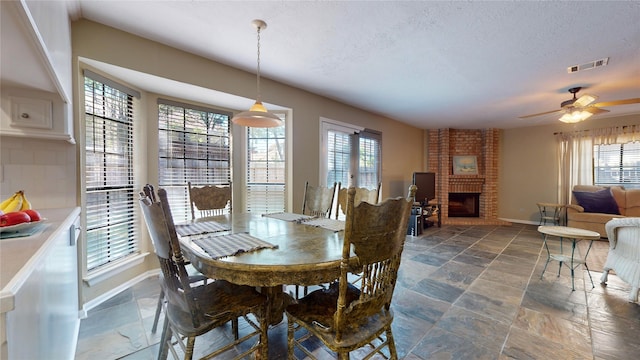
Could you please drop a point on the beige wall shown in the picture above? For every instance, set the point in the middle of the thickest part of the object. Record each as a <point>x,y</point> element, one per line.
<point>528,170</point>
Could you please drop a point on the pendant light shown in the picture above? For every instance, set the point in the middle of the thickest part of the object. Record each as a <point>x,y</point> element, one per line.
<point>257,116</point>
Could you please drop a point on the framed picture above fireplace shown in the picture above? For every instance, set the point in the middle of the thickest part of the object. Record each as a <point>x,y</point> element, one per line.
<point>465,165</point>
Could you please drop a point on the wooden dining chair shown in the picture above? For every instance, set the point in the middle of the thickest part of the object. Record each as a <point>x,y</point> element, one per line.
<point>343,317</point>
<point>318,200</point>
<point>209,200</point>
<point>372,196</point>
<point>193,310</point>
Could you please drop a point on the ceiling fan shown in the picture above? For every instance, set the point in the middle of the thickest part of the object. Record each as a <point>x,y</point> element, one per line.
<point>581,108</point>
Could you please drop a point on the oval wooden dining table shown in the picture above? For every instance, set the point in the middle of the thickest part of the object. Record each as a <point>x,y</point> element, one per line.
<point>305,255</point>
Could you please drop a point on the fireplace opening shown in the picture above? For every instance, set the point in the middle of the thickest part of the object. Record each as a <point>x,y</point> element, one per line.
<point>464,205</point>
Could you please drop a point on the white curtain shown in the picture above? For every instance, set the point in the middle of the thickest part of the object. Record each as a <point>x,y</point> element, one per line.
<point>575,154</point>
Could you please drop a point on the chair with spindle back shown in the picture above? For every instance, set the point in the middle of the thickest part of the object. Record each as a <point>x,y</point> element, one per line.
<point>344,317</point>
<point>193,310</point>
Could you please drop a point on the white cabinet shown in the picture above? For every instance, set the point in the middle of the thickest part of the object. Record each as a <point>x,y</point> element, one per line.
<point>34,114</point>
<point>31,113</point>
<point>35,70</point>
<point>40,312</point>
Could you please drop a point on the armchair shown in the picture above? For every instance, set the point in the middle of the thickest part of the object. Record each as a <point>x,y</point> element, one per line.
<point>624,253</point>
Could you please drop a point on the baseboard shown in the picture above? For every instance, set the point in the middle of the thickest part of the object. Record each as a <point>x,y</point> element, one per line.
<point>115,291</point>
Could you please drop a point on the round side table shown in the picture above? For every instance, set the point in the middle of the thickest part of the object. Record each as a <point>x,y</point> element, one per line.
<point>575,235</point>
<point>550,212</point>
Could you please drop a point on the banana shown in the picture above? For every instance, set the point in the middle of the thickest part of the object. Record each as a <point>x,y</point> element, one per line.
<point>7,201</point>
<point>26,204</point>
<point>15,204</point>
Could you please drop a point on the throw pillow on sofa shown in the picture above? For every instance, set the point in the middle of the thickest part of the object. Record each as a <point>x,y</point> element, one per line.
<point>601,201</point>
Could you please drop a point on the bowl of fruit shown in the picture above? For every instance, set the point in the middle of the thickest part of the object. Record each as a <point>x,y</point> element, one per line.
<point>16,214</point>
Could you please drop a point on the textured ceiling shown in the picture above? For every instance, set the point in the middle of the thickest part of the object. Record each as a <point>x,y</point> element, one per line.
<point>432,64</point>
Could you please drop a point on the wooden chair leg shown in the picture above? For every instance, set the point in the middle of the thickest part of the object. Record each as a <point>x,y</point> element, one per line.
<point>158,310</point>
<point>164,341</point>
<point>290,340</point>
<point>264,335</point>
<point>191,341</point>
<point>234,328</point>
<point>391,344</point>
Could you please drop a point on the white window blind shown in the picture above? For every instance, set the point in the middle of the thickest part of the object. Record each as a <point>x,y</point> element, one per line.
<point>266,169</point>
<point>369,160</point>
<point>193,145</point>
<point>111,232</point>
<point>617,164</point>
<point>339,157</point>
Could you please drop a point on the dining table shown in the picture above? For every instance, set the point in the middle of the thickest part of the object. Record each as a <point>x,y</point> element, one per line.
<point>287,249</point>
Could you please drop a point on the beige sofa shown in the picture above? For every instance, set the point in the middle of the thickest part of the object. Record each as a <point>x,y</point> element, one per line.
<point>628,202</point>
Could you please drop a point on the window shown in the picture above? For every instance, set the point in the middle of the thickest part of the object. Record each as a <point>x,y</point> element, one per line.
<point>617,164</point>
<point>351,155</point>
<point>266,169</point>
<point>111,232</point>
<point>193,145</point>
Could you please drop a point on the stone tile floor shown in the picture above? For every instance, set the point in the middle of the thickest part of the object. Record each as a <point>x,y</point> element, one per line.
<point>463,292</point>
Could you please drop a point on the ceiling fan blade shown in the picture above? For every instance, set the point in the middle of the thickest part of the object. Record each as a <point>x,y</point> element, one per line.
<point>584,100</point>
<point>538,114</point>
<point>595,110</point>
<point>617,102</point>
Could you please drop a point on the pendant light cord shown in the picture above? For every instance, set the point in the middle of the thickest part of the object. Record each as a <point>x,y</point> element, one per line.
<point>259,97</point>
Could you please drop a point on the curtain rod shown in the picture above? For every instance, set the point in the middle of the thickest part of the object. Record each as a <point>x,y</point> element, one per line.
<point>560,132</point>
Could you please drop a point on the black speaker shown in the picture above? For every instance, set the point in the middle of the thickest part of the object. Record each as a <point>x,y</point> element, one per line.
<point>415,222</point>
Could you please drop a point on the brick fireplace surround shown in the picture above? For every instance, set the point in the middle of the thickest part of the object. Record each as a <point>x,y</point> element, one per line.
<point>442,145</point>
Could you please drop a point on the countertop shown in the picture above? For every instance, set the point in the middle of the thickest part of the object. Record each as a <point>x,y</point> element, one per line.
<point>19,256</point>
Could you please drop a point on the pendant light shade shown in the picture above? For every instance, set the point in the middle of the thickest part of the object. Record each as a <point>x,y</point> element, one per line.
<point>258,115</point>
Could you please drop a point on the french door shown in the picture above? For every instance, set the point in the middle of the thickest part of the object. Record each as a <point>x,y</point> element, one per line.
<point>350,155</point>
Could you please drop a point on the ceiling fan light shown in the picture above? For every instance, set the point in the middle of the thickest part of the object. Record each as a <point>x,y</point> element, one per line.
<point>575,116</point>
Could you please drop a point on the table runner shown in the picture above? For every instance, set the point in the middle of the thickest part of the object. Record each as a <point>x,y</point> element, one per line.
<point>202,227</point>
<point>288,216</point>
<point>329,224</point>
<point>219,246</point>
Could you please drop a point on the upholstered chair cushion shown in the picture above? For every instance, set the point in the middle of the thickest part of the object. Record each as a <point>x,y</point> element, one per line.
<point>601,201</point>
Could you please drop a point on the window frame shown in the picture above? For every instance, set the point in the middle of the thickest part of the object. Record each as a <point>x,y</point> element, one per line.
<point>622,164</point>
<point>274,193</point>
<point>101,261</point>
<point>201,151</point>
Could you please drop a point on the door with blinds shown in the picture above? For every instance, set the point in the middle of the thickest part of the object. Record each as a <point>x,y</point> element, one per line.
<point>351,155</point>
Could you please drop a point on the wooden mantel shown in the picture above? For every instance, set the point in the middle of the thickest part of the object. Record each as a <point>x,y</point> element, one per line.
<point>466,183</point>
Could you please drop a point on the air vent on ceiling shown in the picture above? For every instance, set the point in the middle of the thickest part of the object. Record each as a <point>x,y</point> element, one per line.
<point>586,66</point>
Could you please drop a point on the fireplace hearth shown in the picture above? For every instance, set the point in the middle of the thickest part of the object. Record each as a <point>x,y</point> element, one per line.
<point>464,204</point>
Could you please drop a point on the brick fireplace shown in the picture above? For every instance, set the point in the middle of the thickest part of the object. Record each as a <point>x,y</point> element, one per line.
<point>442,146</point>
